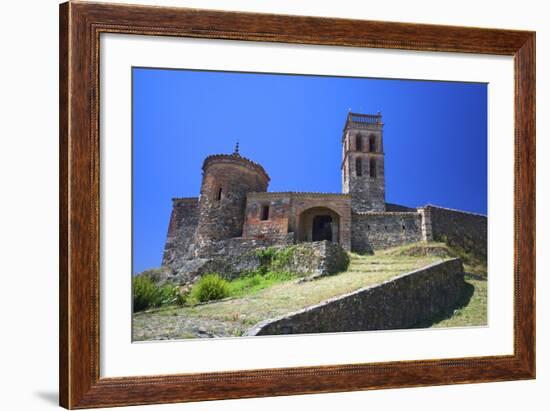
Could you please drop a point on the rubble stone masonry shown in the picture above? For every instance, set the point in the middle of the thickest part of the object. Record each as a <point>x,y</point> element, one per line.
<point>181,230</point>
<point>378,230</point>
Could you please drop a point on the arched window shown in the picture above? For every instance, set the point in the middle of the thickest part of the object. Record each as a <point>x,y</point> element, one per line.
<point>219,194</point>
<point>358,167</point>
<point>373,167</point>
<point>358,142</point>
<point>372,143</point>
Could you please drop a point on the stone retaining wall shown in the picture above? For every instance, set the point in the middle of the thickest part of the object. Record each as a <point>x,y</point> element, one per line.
<point>235,257</point>
<point>314,259</point>
<point>395,304</point>
<point>459,229</point>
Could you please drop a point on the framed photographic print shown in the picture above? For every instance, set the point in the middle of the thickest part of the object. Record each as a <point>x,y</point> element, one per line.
<point>256,205</point>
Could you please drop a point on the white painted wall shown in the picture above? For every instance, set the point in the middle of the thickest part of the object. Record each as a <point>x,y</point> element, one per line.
<point>28,206</point>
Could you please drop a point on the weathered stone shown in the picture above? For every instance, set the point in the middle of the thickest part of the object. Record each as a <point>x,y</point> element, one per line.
<point>181,230</point>
<point>314,259</point>
<point>238,257</point>
<point>467,231</point>
<point>396,304</point>
<point>377,230</point>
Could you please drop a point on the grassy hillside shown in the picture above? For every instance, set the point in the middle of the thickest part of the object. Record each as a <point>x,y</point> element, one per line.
<point>268,299</point>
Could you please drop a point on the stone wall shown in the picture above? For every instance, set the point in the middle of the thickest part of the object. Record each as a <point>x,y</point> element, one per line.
<point>276,224</point>
<point>314,259</point>
<point>460,229</point>
<point>235,257</point>
<point>181,230</point>
<point>234,247</point>
<point>396,304</point>
<point>373,231</point>
<point>229,258</point>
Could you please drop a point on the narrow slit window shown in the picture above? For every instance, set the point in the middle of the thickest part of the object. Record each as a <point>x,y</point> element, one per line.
<point>219,194</point>
<point>358,167</point>
<point>264,215</point>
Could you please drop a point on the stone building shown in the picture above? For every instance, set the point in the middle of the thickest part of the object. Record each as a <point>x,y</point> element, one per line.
<point>235,212</point>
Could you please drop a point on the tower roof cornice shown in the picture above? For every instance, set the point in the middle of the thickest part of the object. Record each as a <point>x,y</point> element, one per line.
<point>360,120</point>
<point>237,159</point>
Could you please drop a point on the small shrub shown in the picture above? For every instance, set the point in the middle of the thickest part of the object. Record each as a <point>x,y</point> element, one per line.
<point>210,287</point>
<point>265,256</point>
<point>146,293</point>
<point>171,295</point>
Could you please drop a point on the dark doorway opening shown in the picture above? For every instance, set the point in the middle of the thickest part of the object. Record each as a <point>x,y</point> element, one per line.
<point>322,228</point>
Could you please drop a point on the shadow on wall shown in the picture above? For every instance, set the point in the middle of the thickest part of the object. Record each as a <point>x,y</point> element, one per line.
<point>463,301</point>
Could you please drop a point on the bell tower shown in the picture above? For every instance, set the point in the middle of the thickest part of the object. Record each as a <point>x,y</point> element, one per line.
<point>363,162</point>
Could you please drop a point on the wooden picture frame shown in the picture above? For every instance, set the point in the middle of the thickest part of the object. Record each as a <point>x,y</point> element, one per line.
<point>80,27</point>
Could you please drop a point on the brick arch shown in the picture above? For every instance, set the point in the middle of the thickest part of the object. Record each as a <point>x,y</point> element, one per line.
<point>306,220</point>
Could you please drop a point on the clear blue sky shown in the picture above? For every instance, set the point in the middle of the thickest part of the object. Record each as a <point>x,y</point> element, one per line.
<point>435,138</point>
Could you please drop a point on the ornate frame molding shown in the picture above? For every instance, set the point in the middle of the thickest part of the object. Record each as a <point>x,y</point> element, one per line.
<point>81,24</point>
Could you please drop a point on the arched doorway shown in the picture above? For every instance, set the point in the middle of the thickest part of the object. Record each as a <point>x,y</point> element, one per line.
<point>318,224</point>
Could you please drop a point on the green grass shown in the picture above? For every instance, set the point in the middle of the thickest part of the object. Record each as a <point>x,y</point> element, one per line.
<point>211,287</point>
<point>255,282</point>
